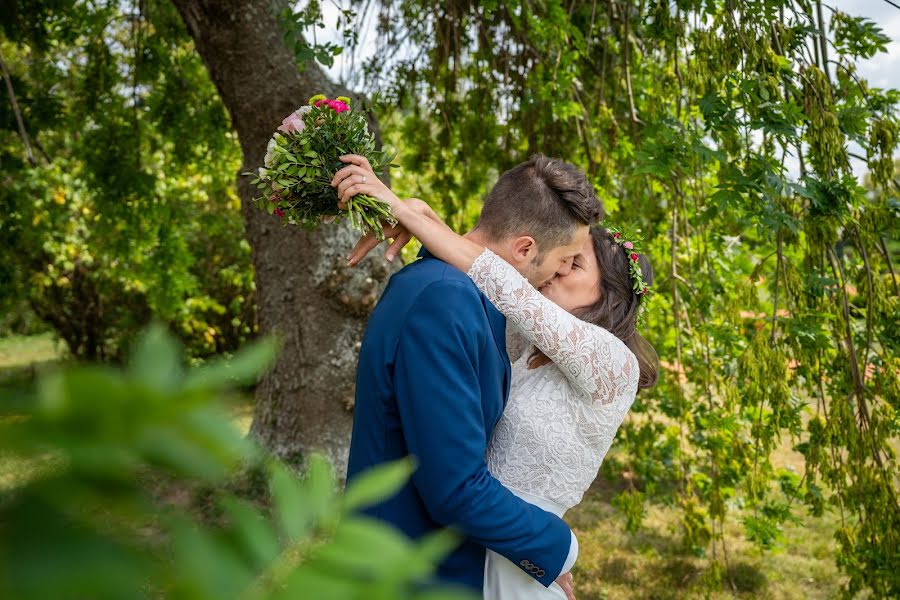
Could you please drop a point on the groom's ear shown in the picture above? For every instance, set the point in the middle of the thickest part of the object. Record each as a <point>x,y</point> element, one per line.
<point>524,249</point>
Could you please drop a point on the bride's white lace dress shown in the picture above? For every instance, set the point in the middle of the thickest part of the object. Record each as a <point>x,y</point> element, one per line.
<point>560,419</point>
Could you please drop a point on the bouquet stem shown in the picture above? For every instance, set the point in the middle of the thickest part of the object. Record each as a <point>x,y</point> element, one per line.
<point>370,215</point>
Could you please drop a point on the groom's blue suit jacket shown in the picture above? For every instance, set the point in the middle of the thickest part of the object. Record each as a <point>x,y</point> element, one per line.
<point>432,381</point>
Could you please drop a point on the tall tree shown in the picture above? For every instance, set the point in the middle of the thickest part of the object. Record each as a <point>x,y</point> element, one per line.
<point>305,293</point>
<point>130,211</point>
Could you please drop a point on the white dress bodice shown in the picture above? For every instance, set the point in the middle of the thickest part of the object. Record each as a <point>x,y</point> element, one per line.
<point>561,418</point>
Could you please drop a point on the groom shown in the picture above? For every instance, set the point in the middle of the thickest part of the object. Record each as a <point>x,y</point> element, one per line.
<point>434,377</point>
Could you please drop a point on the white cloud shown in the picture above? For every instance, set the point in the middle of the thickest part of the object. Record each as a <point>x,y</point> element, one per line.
<point>882,70</point>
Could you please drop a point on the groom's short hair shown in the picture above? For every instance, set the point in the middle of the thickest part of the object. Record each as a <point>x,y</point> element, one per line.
<point>545,198</point>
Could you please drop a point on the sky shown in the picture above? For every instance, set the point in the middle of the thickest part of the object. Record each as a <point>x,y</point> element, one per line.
<point>881,71</point>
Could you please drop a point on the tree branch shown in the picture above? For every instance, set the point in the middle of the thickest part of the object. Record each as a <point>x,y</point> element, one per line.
<point>12,98</point>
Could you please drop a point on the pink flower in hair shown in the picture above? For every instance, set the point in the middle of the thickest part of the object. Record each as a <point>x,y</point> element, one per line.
<point>628,245</point>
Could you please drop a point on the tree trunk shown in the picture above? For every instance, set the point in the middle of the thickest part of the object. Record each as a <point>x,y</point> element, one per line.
<point>305,293</point>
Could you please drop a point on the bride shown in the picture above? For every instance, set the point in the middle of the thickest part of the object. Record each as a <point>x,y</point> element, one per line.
<point>578,360</point>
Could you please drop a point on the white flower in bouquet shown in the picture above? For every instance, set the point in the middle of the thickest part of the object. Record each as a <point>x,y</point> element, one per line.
<point>270,153</point>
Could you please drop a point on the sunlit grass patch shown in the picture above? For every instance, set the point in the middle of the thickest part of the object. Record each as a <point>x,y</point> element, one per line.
<point>21,352</point>
<point>20,359</point>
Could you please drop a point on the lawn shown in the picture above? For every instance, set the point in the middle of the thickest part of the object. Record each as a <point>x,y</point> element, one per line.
<point>20,354</point>
<point>613,563</point>
<point>650,564</point>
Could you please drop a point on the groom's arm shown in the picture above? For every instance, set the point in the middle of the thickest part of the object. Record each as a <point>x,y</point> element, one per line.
<point>439,400</point>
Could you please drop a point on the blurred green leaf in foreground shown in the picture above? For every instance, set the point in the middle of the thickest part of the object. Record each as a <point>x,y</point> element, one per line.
<point>90,523</point>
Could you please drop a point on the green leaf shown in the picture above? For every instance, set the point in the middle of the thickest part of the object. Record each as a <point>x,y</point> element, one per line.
<point>301,503</point>
<point>156,359</point>
<point>366,546</point>
<point>184,452</point>
<point>289,497</point>
<point>434,547</point>
<point>204,567</point>
<point>253,529</point>
<point>378,484</point>
<point>242,369</point>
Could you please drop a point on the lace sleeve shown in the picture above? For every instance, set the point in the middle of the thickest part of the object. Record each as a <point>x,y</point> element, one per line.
<point>591,358</point>
<point>516,342</point>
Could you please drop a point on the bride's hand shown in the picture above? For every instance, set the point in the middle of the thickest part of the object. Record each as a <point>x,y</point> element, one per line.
<point>565,582</point>
<point>358,177</point>
<point>398,232</point>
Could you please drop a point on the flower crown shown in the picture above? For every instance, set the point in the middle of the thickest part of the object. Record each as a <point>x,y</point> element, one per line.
<point>631,244</point>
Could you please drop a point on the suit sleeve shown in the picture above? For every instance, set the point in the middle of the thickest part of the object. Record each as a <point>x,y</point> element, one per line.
<point>439,400</point>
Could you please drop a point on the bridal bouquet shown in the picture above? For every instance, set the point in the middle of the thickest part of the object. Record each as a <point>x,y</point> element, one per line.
<point>301,161</point>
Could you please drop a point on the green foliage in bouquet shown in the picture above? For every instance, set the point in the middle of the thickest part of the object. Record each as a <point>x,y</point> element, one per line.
<point>119,460</point>
<point>300,163</point>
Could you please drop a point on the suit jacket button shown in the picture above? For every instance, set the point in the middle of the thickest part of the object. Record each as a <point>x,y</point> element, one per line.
<point>524,563</point>
<point>541,573</point>
<point>534,570</point>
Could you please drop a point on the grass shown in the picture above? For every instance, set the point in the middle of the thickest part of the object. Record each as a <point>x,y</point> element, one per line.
<point>613,563</point>
<point>21,358</point>
<point>14,471</point>
<point>22,354</point>
<point>651,564</point>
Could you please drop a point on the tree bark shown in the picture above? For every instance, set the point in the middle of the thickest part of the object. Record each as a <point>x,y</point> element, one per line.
<point>305,293</point>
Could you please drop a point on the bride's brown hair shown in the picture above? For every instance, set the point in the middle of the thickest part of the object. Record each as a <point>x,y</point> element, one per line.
<point>618,307</point>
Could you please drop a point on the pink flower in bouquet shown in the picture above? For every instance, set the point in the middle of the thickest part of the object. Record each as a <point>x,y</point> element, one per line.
<point>278,212</point>
<point>294,121</point>
<point>338,106</point>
